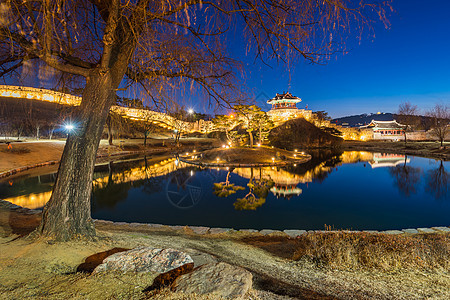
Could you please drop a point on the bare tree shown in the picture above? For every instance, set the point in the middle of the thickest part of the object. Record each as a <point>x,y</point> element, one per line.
<point>407,115</point>
<point>440,115</point>
<point>160,45</point>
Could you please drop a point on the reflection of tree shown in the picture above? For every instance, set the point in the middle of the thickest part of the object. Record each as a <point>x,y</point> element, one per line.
<point>153,184</point>
<point>319,166</point>
<point>111,193</point>
<point>406,178</point>
<point>437,182</point>
<point>225,189</point>
<point>256,197</point>
<point>257,194</point>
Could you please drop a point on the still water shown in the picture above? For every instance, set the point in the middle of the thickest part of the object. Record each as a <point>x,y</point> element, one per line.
<point>349,190</point>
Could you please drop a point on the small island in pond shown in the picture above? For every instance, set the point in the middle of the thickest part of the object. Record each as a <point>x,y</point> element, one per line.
<point>245,157</point>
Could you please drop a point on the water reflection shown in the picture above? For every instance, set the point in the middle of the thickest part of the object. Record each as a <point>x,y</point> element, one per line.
<point>180,186</point>
<point>406,178</point>
<point>438,182</point>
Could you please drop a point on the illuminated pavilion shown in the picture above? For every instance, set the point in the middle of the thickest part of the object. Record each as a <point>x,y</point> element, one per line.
<point>284,107</point>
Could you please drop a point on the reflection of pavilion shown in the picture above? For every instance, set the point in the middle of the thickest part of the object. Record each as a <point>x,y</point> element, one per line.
<point>286,191</point>
<point>387,160</point>
<point>285,182</point>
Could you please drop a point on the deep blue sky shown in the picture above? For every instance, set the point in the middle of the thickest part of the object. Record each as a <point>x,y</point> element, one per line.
<point>410,61</point>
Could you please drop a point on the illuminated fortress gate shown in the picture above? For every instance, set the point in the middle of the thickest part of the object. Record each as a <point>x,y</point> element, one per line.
<point>386,130</point>
<point>284,107</point>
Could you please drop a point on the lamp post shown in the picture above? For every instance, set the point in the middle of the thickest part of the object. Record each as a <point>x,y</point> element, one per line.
<point>69,128</point>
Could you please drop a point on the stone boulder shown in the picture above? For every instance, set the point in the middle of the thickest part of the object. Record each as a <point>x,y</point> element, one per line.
<point>144,259</point>
<point>219,279</point>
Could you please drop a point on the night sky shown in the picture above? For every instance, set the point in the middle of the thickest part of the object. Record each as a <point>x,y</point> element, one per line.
<point>408,62</point>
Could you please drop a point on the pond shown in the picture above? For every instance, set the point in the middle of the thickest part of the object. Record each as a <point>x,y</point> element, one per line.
<point>346,190</point>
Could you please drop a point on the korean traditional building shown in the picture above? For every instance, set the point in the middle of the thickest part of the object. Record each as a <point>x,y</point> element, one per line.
<point>388,160</point>
<point>386,130</point>
<point>284,107</point>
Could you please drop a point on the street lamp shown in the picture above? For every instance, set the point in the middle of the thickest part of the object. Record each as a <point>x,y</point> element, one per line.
<point>190,111</point>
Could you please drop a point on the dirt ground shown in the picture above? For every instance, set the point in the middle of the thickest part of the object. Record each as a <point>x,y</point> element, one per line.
<point>43,269</point>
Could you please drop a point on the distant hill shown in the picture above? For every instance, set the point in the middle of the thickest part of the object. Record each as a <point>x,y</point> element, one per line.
<point>363,119</point>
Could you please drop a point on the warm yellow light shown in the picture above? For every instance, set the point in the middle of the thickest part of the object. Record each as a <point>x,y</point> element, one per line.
<point>295,150</point>
<point>223,146</point>
<point>259,145</point>
<point>194,151</point>
<point>187,153</point>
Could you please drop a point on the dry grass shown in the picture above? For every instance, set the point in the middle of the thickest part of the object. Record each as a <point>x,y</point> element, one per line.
<point>384,252</point>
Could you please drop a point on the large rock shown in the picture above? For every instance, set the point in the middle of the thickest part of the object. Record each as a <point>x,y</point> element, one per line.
<point>219,279</point>
<point>145,259</point>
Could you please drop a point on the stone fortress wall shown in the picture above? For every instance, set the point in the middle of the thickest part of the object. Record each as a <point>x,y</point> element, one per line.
<point>136,114</point>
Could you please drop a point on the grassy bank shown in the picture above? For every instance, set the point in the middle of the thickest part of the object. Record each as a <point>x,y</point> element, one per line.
<point>363,251</point>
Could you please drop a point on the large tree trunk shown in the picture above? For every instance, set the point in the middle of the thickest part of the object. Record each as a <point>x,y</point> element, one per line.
<point>68,213</point>
<point>109,126</point>
<point>251,139</point>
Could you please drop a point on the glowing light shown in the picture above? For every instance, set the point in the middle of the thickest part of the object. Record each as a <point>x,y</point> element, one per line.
<point>69,127</point>
<point>223,146</point>
<point>295,165</point>
<point>192,173</point>
<point>295,150</point>
<point>190,111</point>
<point>217,159</point>
<point>295,155</point>
<point>259,145</point>
<point>273,159</point>
<point>195,151</point>
<point>187,153</point>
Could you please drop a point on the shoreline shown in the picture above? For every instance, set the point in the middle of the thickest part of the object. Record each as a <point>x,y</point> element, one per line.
<point>371,146</point>
<point>205,230</point>
<point>413,148</point>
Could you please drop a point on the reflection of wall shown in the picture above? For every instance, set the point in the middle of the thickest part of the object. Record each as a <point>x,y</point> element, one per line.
<point>279,176</point>
<point>349,157</point>
<point>31,201</point>
<point>164,167</point>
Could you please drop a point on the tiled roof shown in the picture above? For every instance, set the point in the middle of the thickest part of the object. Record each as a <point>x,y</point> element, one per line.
<point>284,96</point>
<point>387,124</point>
